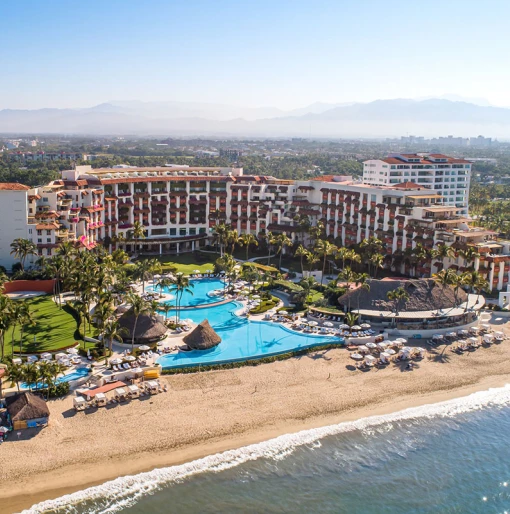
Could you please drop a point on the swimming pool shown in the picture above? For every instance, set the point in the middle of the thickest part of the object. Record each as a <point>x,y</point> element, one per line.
<point>242,339</point>
<point>200,289</point>
<point>74,375</point>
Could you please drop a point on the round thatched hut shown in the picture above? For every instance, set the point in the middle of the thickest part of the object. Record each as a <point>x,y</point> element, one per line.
<point>148,328</point>
<point>426,302</point>
<point>202,337</point>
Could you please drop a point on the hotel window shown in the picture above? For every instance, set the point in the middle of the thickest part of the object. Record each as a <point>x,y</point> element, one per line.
<point>182,231</point>
<point>173,231</point>
<point>48,232</point>
<point>39,232</point>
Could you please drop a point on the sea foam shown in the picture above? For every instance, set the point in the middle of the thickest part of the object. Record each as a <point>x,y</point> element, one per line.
<point>122,492</point>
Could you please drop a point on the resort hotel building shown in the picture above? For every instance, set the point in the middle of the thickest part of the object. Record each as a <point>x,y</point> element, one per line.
<point>446,175</point>
<point>403,200</point>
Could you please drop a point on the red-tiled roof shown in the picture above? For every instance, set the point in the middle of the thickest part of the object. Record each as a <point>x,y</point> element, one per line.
<point>407,185</point>
<point>13,186</point>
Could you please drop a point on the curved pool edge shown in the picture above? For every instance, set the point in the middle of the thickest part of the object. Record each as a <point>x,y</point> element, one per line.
<point>335,342</point>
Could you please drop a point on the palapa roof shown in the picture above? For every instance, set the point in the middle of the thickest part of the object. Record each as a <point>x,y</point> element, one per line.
<point>148,328</point>
<point>424,295</point>
<point>26,406</point>
<point>202,337</point>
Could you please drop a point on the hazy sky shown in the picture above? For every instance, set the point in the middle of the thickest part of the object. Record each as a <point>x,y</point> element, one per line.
<point>61,53</point>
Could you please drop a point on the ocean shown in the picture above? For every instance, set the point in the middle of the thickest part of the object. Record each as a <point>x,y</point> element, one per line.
<point>449,457</point>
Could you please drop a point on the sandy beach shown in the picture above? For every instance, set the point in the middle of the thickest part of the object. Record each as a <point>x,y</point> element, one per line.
<point>214,411</point>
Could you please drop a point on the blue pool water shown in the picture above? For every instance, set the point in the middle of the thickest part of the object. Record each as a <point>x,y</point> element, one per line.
<point>241,339</point>
<point>200,289</point>
<point>74,375</point>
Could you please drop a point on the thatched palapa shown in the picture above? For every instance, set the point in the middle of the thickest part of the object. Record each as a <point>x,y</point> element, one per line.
<point>424,295</point>
<point>202,337</point>
<point>148,328</point>
<point>27,406</point>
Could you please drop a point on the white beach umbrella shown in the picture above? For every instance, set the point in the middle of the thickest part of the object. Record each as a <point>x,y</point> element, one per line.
<point>144,348</point>
<point>130,358</point>
<point>116,361</point>
<point>390,351</point>
<point>382,346</point>
<point>401,340</point>
<point>313,323</point>
<point>256,296</point>
<point>196,271</point>
<point>328,324</point>
<point>283,313</point>
<point>356,356</point>
<point>363,348</point>
<point>365,325</point>
<point>356,327</point>
<point>473,340</point>
<point>371,345</point>
<point>344,326</point>
<point>72,351</point>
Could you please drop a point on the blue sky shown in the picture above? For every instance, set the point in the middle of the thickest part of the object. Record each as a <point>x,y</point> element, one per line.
<point>61,53</point>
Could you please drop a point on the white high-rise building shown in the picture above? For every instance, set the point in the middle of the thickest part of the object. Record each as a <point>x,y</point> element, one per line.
<point>448,176</point>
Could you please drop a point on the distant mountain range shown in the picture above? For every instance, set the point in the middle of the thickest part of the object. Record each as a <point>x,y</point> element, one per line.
<point>381,118</point>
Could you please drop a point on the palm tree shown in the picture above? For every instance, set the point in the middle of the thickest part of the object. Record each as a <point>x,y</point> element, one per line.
<point>180,285</point>
<point>139,307</point>
<point>342,254</point>
<point>154,268</point>
<point>219,236</point>
<point>443,251</point>
<point>16,315</point>
<point>469,255</point>
<point>5,322</point>
<point>281,241</point>
<point>137,233</point>
<point>351,318</point>
<point>348,276</point>
<point>112,332</point>
<point>301,252</point>
<point>15,374</point>
<point>445,277</point>
<point>232,239</point>
<point>56,369</point>
<point>250,274</point>
<point>316,231</point>
<point>377,260</point>
<point>102,314</point>
<point>164,282</point>
<point>31,375</point>
<point>46,377</point>
<point>307,285</point>
<point>142,271</point>
<point>22,248</point>
<point>325,248</point>
<point>311,258</point>
<point>398,295</point>
<point>24,320</point>
<point>361,280</point>
<point>475,282</point>
<point>247,239</point>
<point>166,308</point>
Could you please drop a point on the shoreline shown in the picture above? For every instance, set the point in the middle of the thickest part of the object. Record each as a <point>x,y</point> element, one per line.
<point>75,477</point>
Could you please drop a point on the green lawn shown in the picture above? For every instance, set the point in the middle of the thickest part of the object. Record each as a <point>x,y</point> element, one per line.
<point>187,263</point>
<point>54,328</point>
<point>315,296</point>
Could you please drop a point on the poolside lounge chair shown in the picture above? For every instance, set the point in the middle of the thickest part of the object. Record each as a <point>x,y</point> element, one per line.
<point>126,366</point>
